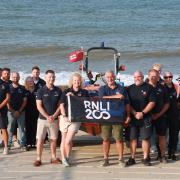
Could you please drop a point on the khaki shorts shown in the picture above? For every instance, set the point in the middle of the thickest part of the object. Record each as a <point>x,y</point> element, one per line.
<point>65,126</point>
<point>112,130</point>
<point>43,127</point>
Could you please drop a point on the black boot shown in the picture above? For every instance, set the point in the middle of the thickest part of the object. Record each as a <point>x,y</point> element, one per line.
<point>173,157</point>
<point>169,154</point>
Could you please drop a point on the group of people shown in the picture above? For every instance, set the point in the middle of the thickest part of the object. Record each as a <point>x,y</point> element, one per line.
<point>39,107</point>
<point>152,112</point>
<point>18,108</point>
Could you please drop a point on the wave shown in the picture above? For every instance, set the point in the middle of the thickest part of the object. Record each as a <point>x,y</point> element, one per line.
<point>62,78</point>
<point>30,50</point>
<point>99,54</point>
<point>153,54</point>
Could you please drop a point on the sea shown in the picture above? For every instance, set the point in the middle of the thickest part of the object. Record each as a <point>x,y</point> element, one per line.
<point>43,33</point>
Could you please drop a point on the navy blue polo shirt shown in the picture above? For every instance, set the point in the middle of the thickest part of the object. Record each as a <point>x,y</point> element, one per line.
<point>117,105</point>
<point>141,95</point>
<point>107,91</point>
<point>50,99</point>
<point>39,84</point>
<point>161,97</point>
<point>4,90</point>
<point>17,96</point>
<point>172,94</point>
<point>79,93</point>
<point>31,101</point>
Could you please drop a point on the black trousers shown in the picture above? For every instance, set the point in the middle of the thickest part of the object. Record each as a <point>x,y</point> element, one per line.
<point>173,125</point>
<point>31,128</point>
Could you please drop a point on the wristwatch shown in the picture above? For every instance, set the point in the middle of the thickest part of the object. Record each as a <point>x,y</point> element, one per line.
<point>143,113</point>
<point>63,115</point>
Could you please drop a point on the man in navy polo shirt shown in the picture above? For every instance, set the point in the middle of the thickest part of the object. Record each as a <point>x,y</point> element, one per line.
<point>4,98</point>
<point>0,72</point>
<point>159,113</point>
<point>142,99</point>
<point>16,108</point>
<point>37,80</point>
<point>112,90</point>
<point>48,100</point>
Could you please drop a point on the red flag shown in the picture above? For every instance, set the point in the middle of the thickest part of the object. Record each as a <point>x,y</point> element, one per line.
<point>122,67</point>
<point>77,55</point>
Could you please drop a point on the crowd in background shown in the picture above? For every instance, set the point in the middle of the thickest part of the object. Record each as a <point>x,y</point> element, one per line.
<point>38,108</point>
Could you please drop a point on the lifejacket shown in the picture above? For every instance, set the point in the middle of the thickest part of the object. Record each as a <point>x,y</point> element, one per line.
<point>91,128</point>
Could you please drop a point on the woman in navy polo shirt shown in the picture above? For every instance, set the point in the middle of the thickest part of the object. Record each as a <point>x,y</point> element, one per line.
<point>31,113</point>
<point>69,129</point>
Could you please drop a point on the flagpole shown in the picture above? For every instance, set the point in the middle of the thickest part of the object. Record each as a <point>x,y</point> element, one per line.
<point>82,66</point>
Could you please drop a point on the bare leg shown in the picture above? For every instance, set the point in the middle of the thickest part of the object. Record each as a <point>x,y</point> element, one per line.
<point>120,149</point>
<point>162,145</point>
<point>68,142</point>
<point>133,146</point>
<point>53,148</point>
<point>39,148</point>
<point>106,148</point>
<point>146,147</point>
<point>5,137</point>
<point>62,147</point>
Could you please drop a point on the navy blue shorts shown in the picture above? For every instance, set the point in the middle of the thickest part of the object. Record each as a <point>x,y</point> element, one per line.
<point>3,122</point>
<point>160,126</point>
<point>144,130</point>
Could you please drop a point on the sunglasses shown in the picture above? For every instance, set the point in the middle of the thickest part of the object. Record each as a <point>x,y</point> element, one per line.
<point>168,77</point>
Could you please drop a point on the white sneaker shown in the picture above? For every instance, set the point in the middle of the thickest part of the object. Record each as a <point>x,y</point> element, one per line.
<point>65,163</point>
<point>153,150</point>
<point>16,144</point>
<point>6,151</point>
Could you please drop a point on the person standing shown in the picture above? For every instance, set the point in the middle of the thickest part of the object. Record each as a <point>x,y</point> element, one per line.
<point>48,100</point>
<point>69,129</point>
<point>154,139</point>
<point>5,75</point>
<point>158,67</point>
<point>142,100</point>
<point>16,108</point>
<point>31,113</point>
<point>178,102</point>
<point>159,119</point>
<point>38,83</point>
<point>6,78</point>
<point>4,99</point>
<point>172,116</point>
<point>37,80</point>
<point>114,91</point>
<point>0,72</point>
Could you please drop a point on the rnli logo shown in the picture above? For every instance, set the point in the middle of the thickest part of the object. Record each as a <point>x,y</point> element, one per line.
<point>19,91</point>
<point>144,93</point>
<point>159,90</point>
<point>56,93</point>
<point>79,94</point>
<point>97,110</point>
<point>3,87</point>
<point>40,85</point>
